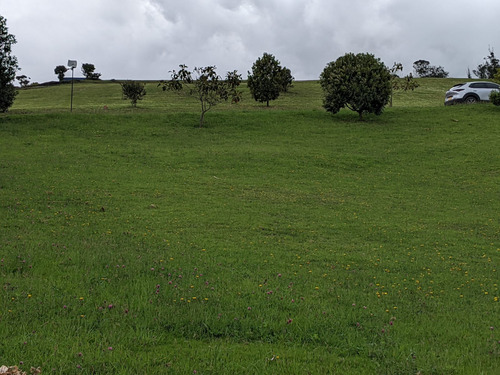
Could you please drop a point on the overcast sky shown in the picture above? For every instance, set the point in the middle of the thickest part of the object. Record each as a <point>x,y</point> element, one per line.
<point>145,39</point>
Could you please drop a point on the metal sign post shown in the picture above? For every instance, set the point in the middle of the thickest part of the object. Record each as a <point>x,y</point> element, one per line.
<point>72,64</point>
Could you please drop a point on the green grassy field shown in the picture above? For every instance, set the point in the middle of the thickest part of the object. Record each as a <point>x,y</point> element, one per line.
<point>278,240</point>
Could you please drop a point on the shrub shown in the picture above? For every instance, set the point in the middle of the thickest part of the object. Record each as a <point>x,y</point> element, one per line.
<point>495,97</point>
<point>133,91</point>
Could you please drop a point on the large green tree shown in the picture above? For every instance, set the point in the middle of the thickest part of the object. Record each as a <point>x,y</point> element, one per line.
<point>8,67</point>
<point>266,79</point>
<point>359,82</point>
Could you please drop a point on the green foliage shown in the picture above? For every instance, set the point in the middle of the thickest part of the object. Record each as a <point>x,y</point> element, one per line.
<point>60,71</point>
<point>401,83</point>
<point>8,67</point>
<point>488,69</point>
<point>268,79</point>
<point>359,82</point>
<point>133,91</point>
<point>496,77</point>
<point>206,86</point>
<point>285,79</point>
<point>88,71</point>
<point>23,80</point>
<point>495,97</point>
<point>423,69</point>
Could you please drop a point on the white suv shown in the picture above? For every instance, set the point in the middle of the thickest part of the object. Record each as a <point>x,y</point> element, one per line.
<point>470,92</point>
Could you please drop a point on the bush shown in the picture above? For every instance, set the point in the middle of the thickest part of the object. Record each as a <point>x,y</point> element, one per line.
<point>359,82</point>
<point>133,91</point>
<point>495,97</point>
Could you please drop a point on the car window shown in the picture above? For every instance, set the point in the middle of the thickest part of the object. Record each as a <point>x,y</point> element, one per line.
<point>493,86</point>
<point>479,85</point>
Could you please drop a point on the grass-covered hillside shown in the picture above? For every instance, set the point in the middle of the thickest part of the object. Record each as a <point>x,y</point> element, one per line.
<point>280,240</point>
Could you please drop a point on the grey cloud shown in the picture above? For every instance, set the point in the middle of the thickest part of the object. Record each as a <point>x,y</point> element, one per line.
<point>144,39</point>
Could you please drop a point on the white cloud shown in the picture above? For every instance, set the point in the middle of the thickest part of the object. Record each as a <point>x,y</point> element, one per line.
<point>144,39</point>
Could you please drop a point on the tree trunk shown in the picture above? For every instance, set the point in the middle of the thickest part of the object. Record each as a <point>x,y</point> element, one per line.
<point>202,119</point>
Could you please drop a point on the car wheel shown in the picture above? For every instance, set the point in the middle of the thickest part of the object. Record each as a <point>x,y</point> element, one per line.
<point>470,99</point>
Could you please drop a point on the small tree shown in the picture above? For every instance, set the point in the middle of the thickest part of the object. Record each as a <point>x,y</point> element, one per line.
<point>285,79</point>
<point>60,70</point>
<point>8,67</point>
<point>401,83</point>
<point>423,69</point>
<point>23,80</point>
<point>489,68</point>
<point>265,82</point>
<point>495,95</point>
<point>205,85</point>
<point>88,71</point>
<point>359,82</point>
<point>133,91</point>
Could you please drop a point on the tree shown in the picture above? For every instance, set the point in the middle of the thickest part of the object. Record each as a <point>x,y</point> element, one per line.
<point>8,67</point>
<point>496,77</point>
<point>205,85</point>
<point>88,71</point>
<point>23,80</point>
<point>401,83</point>
<point>359,82</point>
<point>489,68</point>
<point>266,82</point>
<point>285,79</point>
<point>495,95</point>
<point>133,91</point>
<point>60,70</point>
<point>423,69</point>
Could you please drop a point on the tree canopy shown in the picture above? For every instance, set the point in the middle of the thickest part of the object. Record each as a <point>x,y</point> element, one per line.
<point>8,67</point>
<point>268,79</point>
<point>134,91</point>
<point>359,82</point>
<point>489,68</point>
<point>60,71</point>
<point>88,71</point>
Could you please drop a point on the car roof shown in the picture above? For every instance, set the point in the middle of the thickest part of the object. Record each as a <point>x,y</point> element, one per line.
<point>471,82</point>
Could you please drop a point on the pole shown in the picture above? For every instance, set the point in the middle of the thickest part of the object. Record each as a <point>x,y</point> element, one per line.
<point>72,79</point>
